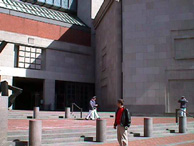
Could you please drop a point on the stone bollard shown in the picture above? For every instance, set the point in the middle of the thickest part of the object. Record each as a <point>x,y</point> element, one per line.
<point>35,132</point>
<point>4,120</point>
<point>182,124</point>
<point>148,127</point>
<point>67,112</point>
<point>101,130</point>
<point>36,112</point>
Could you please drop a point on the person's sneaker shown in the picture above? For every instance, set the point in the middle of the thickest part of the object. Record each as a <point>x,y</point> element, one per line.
<point>86,119</point>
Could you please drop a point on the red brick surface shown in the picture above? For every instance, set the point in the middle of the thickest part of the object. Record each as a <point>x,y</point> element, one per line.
<point>159,141</point>
<point>178,139</point>
<point>74,124</point>
<point>43,30</point>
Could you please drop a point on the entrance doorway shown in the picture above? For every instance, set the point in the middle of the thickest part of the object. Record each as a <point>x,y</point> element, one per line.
<point>73,92</point>
<point>32,93</point>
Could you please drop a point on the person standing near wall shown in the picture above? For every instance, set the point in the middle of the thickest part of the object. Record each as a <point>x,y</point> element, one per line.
<point>122,123</point>
<point>183,101</point>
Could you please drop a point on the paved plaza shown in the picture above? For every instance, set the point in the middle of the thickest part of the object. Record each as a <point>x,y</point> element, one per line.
<point>71,132</point>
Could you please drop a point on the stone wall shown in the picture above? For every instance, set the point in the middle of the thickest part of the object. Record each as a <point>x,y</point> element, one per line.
<point>108,58</point>
<point>157,48</point>
<point>61,61</point>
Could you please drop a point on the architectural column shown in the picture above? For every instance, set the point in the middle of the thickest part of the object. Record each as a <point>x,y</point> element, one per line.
<point>4,119</point>
<point>49,94</point>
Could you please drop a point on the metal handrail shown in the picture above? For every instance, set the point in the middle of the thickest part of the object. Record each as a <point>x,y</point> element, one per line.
<point>177,110</point>
<point>81,110</point>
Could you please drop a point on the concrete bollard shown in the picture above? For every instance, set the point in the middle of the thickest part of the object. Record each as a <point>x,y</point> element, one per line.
<point>182,124</point>
<point>67,112</point>
<point>36,112</point>
<point>35,132</point>
<point>148,127</point>
<point>101,130</point>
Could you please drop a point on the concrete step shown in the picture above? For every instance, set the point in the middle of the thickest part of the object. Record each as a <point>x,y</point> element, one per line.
<point>64,137</point>
<point>19,114</point>
<point>80,141</point>
<point>109,128</point>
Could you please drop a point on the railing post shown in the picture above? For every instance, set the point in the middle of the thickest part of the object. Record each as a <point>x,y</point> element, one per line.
<point>72,108</point>
<point>177,110</point>
<point>81,114</point>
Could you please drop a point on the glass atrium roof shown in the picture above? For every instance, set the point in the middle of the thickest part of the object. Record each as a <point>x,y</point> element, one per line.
<point>40,11</point>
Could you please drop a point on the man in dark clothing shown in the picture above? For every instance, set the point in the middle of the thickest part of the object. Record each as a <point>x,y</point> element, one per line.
<point>183,106</point>
<point>122,123</point>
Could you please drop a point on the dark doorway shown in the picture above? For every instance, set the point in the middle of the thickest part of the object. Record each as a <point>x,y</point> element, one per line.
<point>32,93</point>
<point>73,92</point>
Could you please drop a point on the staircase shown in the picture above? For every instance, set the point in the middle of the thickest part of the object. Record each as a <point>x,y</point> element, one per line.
<point>16,114</point>
<point>75,137</point>
<point>78,136</point>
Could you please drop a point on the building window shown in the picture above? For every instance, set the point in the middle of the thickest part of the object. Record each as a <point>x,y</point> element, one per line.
<point>29,57</point>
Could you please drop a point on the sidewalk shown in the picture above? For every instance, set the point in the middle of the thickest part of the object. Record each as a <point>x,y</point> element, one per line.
<point>180,140</point>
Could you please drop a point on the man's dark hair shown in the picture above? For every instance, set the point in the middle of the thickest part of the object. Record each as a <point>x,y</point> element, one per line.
<point>120,101</point>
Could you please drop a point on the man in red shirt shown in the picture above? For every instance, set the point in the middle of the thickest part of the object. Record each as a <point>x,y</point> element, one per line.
<point>122,123</point>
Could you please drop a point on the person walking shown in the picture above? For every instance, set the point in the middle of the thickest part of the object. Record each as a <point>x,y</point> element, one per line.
<point>92,109</point>
<point>122,123</point>
<point>183,101</point>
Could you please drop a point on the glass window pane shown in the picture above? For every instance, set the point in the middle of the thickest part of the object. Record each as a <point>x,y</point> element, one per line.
<point>27,65</point>
<point>57,3</point>
<point>33,55</point>
<point>50,2</point>
<point>21,65</point>
<point>29,58</point>
<point>21,59</point>
<point>21,53</point>
<point>28,49</point>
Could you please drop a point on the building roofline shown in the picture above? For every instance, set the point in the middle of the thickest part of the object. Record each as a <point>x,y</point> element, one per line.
<point>6,9</point>
<point>101,13</point>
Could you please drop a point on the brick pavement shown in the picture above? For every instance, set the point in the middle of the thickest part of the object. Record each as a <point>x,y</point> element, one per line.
<point>162,141</point>
<point>178,139</point>
<point>22,124</point>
